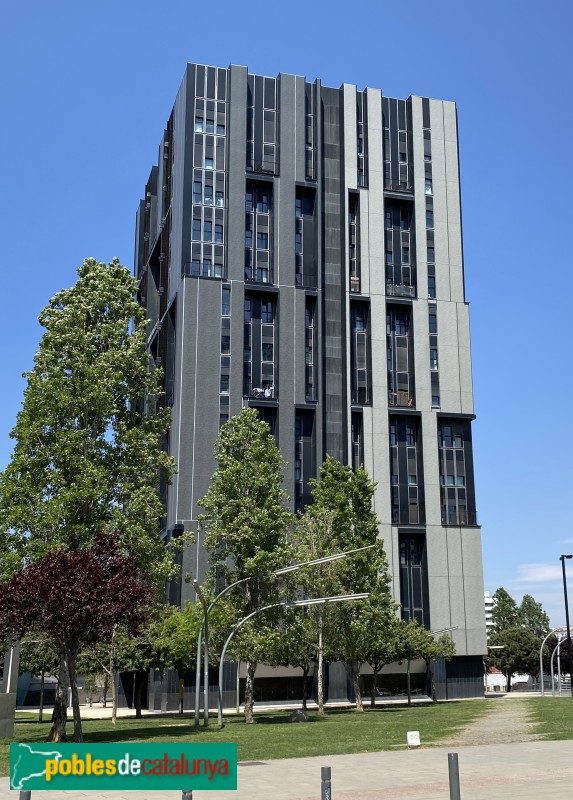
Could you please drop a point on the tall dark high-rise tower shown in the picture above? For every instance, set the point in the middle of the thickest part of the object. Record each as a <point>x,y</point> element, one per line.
<point>300,251</point>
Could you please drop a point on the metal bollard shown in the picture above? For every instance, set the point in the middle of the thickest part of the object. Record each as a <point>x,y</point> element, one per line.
<point>27,795</point>
<point>325,787</point>
<point>187,795</point>
<point>454,774</point>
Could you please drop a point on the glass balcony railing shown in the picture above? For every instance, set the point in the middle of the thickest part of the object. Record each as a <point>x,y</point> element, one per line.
<point>459,517</point>
<point>400,290</point>
<point>404,399</point>
<point>260,391</point>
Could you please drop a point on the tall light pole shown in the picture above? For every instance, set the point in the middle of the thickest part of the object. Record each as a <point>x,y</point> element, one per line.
<point>206,609</point>
<point>569,648</point>
<point>339,598</point>
<point>541,659</point>
<point>201,597</point>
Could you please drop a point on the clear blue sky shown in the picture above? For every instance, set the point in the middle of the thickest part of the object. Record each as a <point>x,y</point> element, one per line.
<point>86,90</point>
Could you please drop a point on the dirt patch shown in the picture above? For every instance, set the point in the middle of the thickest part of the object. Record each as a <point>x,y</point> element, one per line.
<point>505,721</point>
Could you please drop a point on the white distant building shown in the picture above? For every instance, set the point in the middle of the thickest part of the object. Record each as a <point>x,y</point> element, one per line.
<point>489,603</point>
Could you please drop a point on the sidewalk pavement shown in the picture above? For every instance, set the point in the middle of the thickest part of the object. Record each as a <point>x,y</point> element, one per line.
<point>525,770</point>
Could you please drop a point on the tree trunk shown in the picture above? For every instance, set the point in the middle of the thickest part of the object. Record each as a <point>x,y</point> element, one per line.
<point>113,700</point>
<point>320,682</point>
<point>251,666</point>
<point>409,689</point>
<point>41,711</point>
<point>60,714</point>
<point>305,670</point>
<point>112,679</point>
<point>373,691</point>
<point>78,733</point>
<point>105,689</point>
<point>508,681</point>
<point>355,672</point>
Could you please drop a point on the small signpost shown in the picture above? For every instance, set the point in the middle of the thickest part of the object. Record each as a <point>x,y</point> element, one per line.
<point>413,738</point>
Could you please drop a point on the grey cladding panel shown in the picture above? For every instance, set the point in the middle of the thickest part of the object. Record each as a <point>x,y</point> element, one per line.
<point>334,360</point>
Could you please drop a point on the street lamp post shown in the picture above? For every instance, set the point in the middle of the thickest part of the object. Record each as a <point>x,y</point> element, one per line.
<point>340,598</point>
<point>569,648</point>
<point>207,610</point>
<point>201,597</point>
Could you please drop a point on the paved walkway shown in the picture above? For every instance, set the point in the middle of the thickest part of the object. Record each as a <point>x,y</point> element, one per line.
<point>524,770</point>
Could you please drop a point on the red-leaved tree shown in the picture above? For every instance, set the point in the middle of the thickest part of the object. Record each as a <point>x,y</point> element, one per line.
<point>76,598</point>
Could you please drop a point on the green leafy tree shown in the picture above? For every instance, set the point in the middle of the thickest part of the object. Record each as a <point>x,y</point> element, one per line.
<point>87,455</point>
<point>39,656</point>
<point>384,641</point>
<point>246,522</point>
<point>177,637</point>
<point>519,652</point>
<point>348,496</point>
<point>532,616</point>
<point>505,613</point>
<point>433,650</point>
<point>314,538</point>
<point>414,641</point>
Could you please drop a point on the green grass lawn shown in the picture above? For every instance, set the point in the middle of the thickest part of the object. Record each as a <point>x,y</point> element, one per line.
<point>272,736</point>
<point>553,715</point>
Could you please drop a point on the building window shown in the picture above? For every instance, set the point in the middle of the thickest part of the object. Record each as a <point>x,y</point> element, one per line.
<point>267,311</point>
<point>196,235</point>
<point>262,241</point>
<point>210,126</point>
<point>406,472</point>
<point>435,401</point>
<point>219,199</point>
<point>226,301</point>
<point>197,192</point>
<point>207,231</point>
<point>433,358</point>
<point>224,387</point>
<point>456,473</point>
<point>433,323</point>
<point>219,234</point>
<point>199,124</point>
<point>428,186</point>
<point>431,287</point>
<point>208,163</point>
<point>309,355</point>
<point>430,254</point>
<point>267,350</point>
<point>429,218</point>
<point>304,467</point>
